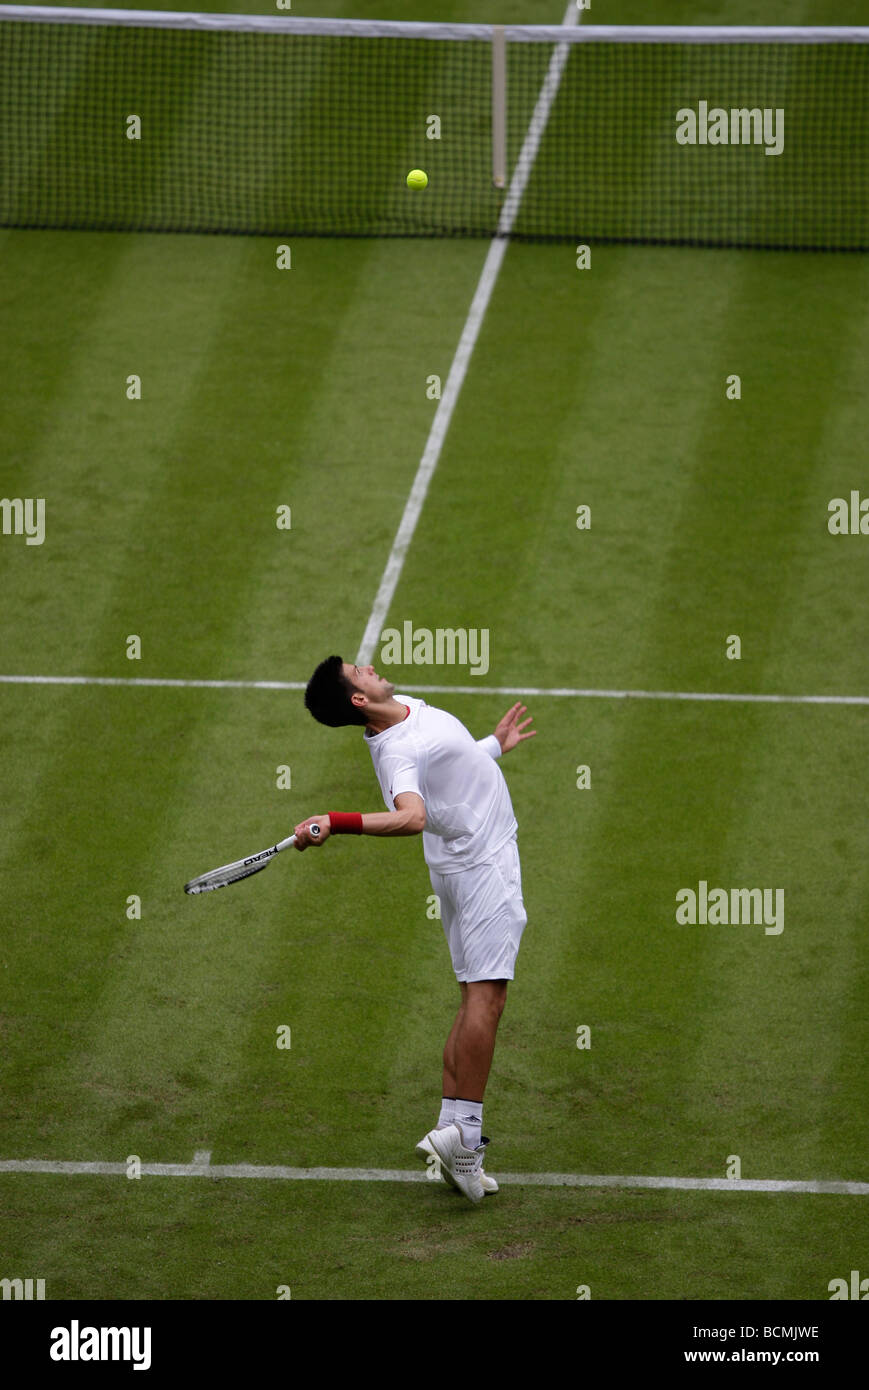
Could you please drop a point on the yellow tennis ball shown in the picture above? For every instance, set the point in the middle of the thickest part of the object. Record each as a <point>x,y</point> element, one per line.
<point>417,178</point>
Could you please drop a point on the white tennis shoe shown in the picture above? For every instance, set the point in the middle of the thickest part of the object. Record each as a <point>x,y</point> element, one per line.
<point>462,1168</point>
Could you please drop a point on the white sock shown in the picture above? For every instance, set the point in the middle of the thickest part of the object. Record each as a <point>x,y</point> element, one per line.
<point>469,1118</point>
<point>448,1112</point>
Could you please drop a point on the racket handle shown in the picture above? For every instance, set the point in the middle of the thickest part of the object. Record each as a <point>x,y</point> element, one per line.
<point>291,839</point>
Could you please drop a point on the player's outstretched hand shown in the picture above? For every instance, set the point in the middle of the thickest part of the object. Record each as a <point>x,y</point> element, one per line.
<point>509,730</point>
<point>312,831</point>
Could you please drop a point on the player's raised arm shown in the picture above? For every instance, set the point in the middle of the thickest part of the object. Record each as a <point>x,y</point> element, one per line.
<point>509,731</point>
<point>407,819</point>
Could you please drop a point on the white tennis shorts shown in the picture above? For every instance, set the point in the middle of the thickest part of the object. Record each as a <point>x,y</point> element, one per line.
<point>483,916</point>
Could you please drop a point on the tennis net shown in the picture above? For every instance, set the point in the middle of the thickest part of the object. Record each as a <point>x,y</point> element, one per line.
<point>153,121</point>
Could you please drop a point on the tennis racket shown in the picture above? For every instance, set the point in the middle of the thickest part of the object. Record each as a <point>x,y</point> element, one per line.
<point>241,868</point>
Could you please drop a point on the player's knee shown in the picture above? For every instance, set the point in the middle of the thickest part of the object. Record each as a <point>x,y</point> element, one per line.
<point>490,996</point>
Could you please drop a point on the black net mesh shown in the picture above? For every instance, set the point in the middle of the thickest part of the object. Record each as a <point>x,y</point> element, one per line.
<point>293,133</point>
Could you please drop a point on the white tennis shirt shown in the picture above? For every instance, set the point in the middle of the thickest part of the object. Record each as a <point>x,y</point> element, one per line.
<point>469,814</point>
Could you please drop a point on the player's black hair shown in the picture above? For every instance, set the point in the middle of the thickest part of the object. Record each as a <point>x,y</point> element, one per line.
<point>328,696</point>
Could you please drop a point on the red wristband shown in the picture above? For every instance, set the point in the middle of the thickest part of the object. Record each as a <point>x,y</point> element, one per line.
<point>345,822</point>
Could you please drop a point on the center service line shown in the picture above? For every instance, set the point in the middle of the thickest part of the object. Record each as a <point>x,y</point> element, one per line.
<point>467,342</point>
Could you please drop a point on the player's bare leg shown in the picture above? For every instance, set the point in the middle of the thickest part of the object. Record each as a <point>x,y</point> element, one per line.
<point>476,1030</point>
<point>485,1012</point>
<point>449,1086</point>
<point>467,1061</point>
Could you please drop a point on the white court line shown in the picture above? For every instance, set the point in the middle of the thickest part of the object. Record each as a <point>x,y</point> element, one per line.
<point>565,692</point>
<point>284,1174</point>
<point>525,691</point>
<point>443,414</point>
<point>154,681</point>
<point>537,125</point>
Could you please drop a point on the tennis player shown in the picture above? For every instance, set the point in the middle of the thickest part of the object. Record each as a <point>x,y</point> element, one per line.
<point>438,781</point>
